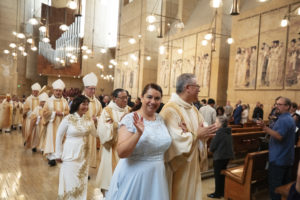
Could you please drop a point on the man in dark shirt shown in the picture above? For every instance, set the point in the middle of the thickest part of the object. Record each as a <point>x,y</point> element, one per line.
<point>281,147</point>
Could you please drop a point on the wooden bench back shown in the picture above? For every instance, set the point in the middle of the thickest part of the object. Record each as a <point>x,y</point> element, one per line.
<point>246,129</point>
<point>255,167</point>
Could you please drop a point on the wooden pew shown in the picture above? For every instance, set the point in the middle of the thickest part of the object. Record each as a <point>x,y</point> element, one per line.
<point>235,126</point>
<point>247,142</point>
<point>246,129</point>
<point>239,181</point>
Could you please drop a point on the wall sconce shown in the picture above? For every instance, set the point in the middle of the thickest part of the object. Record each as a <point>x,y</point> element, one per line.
<point>285,21</point>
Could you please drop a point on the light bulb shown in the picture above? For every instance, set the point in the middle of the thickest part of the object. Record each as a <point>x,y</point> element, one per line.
<point>151,19</point>
<point>208,36</point>
<point>84,48</point>
<point>20,35</point>
<point>12,45</point>
<point>34,48</point>
<point>148,58</point>
<point>132,41</point>
<point>179,51</point>
<point>284,22</point>
<point>230,40</point>
<point>151,27</point>
<point>33,21</point>
<point>179,25</point>
<point>85,57</point>
<point>72,5</point>
<point>57,59</point>
<point>110,66</point>
<point>6,51</point>
<point>103,50</point>
<point>215,3</point>
<point>204,42</point>
<point>298,11</point>
<point>162,49</point>
<point>24,54</point>
<point>99,65</point>
<point>14,54</point>
<point>125,63</point>
<point>88,51</point>
<point>133,57</point>
<point>21,48</point>
<point>63,27</point>
<point>73,57</point>
<point>14,33</point>
<point>29,40</point>
<point>68,54</point>
<point>72,61</point>
<point>46,40</point>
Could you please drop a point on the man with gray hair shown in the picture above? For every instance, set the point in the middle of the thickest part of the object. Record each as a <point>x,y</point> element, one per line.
<point>281,147</point>
<point>184,123</point>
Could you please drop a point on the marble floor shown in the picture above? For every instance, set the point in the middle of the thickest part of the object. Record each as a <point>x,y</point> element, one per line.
<point>26,175</point>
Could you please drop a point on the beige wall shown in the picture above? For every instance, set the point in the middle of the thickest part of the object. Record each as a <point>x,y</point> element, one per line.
<point>266,96</point>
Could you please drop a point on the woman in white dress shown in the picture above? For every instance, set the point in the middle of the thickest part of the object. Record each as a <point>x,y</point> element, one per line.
<point>74,153</point>
<point>245,114</point>
<point>142,141</point>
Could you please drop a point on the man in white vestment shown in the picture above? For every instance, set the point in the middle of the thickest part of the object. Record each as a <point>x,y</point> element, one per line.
<point>90,82</point>
<point>185,125</point>
<point>7,114</point>
<point>55,108</point>
<point>107,130</point>
<point>30,104</point>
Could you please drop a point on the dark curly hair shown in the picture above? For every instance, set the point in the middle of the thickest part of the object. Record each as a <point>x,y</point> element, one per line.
<point>76,103</point>
<point>146,88</point>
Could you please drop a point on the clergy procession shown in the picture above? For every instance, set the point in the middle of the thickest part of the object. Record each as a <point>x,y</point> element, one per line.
<point>137,152</point>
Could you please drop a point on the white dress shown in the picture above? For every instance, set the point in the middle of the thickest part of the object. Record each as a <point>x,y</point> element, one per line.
<point>142,176</point>
<point>74,154</point>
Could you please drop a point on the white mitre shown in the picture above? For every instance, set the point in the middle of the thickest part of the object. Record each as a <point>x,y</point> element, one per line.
<point>43,96</point>
<point>36,86</point>
<point>90,80</point>
<point>58,85</point>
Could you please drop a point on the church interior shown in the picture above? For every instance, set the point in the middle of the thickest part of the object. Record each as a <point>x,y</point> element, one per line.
<point>247,50</point>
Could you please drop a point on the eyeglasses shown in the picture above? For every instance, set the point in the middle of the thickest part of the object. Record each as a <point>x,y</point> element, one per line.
<point>195,85</point>
<point>123,98</point>
<point>280,104</point>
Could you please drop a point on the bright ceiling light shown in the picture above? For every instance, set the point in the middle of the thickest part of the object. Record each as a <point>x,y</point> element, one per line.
<point>43,29</point>
<point>63,27</point>
<point>110,66</point>
<point>46,40</point>
<point>12,45</point>
<point>88,51</point>
<point>14,33</point>
<point>179,51</point>
<point>132,41</point>
<point>72,61</point>
<point>57,59</point>
<point>62,61</point>
<point>148,58</point>
<point>162,49</point>
<point>29,40</point>
<point>139,36</point>
<point>33,21</point>
<point>216,3</point>
<point>85,57</point>
<point>262,1</point>
<point>151,27</point>
<point>284,22</point>
<point>73,57</point>
<point>84,48</point>
<point>69,55</point>
<point>20,35</point>
<point>208,36</point>
<point>24,54</point>
<point>151,19</point>
<point>125,63</point>
<point>34,48</point>
<point>14,54</point>
<point>99,66</point>
<point>6,51</point>
<point>230,40</point>
<point>21,48</point>
<point>103,50</point>
<point>72,4</point>
<point>204,42</point>
<point>112,61</point>
<point>133,57</point>
<point>179,25</point>
<point>298,11</point>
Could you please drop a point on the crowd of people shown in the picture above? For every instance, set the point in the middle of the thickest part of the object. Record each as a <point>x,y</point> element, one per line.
<point>148,150</point>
